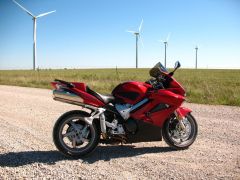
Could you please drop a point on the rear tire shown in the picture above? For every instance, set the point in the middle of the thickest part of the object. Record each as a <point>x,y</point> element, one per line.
<point>170,132</point>
<point>75,137</point>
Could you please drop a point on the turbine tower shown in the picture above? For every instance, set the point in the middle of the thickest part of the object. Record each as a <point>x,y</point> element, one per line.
<point>165,45</point>
<point>196,48</point>
<point>34,31</point>
<point>137,34</point>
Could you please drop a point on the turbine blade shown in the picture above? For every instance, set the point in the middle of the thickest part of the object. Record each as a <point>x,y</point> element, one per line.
<point>23,8</point>
<point>44,14</point>
<point>131,31</point>
<point>169,34</point>
<point>141,41</point>
<point>140,26</point>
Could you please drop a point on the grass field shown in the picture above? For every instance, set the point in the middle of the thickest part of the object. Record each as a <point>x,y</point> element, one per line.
<point>203,86</point>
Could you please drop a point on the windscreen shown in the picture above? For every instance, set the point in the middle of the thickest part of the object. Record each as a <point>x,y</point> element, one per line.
<point>157,69</point>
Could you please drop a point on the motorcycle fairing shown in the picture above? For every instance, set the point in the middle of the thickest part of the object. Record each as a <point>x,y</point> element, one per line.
<point>183,111</point>
<point>130,92</point>
<point>146,132</point>
<point>176,87</point>
<point>171,101</point>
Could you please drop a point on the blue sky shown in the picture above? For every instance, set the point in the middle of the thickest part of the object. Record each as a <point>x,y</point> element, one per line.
<point>92,33</point>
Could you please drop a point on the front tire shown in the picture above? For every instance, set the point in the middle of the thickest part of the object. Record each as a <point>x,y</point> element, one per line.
<point>175,137</point>
<point>75,137</point>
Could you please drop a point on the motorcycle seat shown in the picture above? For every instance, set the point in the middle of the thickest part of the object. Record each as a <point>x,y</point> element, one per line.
<point>104,98</point>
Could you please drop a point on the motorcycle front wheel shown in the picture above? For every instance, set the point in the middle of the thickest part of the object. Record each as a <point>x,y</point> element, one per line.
<point>178,138</point>
<point>73,136</point>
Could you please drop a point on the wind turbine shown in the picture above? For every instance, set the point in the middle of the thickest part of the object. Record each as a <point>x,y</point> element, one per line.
<point>165,45</point>
<point>137,34</point>
<point>34,30</point>
<point>196,48</point>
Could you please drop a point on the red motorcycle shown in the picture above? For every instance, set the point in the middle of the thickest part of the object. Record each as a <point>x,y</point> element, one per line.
<point>135,112</point>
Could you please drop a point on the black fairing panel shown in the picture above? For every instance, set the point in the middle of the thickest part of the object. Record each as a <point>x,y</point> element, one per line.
<point>146,132</point>
<point>129,95</point>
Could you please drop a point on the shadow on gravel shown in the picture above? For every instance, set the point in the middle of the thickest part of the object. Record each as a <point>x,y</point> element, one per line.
<point>105,153</point>
<point>15,159</point>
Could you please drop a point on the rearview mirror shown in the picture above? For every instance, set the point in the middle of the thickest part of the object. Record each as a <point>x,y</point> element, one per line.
<point>177,65</point>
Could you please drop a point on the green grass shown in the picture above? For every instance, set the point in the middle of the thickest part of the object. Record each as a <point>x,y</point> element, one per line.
<point>203,86</point>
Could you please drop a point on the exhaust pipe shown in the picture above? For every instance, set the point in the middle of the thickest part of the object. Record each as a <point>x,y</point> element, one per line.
<point>67,96</point>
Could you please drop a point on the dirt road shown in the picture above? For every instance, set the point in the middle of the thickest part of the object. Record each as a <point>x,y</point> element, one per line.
<point>27,116</point>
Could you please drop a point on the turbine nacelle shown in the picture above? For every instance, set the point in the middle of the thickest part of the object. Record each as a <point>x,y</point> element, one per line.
<point>166,40</point>
<point>137,34</point>
<point>134,33</point>
<point>165,44</point>
<point>139,29</point>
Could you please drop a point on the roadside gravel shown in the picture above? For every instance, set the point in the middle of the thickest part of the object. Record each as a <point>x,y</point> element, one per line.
<point>27,116</point>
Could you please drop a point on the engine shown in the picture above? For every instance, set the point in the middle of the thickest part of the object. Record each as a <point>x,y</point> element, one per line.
<point>123,125</point>
<point>131,126</point>
<point>124,110</point>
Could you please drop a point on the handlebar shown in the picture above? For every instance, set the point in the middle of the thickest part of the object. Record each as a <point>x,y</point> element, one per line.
<point>156,83</point>
<point>161,81</point>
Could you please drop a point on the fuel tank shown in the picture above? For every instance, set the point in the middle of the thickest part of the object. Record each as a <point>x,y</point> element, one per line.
<point>130,92</point>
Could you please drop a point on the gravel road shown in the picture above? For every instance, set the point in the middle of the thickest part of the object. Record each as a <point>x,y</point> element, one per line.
<point>27,116</point>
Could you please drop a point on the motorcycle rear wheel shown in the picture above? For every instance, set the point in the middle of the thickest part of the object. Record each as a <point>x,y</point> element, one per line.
<point>75,137</point>
<point>177,139</point>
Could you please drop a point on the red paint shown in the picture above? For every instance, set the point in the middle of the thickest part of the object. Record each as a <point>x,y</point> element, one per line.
<point>182,111</point>
<point>131,87</point>
<point>156,97</point>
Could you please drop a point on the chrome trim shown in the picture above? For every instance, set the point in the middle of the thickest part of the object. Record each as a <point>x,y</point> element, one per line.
<point>139,104</point>
<point>103,123</point>
<point>76,103</point>
<point>61,93</point>
<point>96,114</point>
<point>71,98</point>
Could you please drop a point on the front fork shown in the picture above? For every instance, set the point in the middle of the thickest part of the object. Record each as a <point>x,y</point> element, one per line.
<point>180,119</point>
<point>180,114</point>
